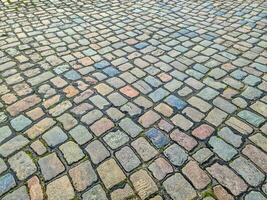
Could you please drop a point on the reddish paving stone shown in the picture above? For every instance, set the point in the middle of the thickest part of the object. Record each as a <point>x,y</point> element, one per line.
<point>160,168</point>
<point>164,109</point>
<point>23,105</point>
<point>203,131</point>
<point>129,91</point>
<point>257,156</point>
<point>60,188</point>
<point>110,173</point>
<point>40,128</point>
<point>148,118</point>
<point>101,126</point>
<point>82,176</point>
<point>36,113</point>
<point>196,175</point>
<point>226,177</point>
<point>70,91</point>
<point>183,139</point>
<point>86,61</point>
<point>221,194</point>
<point>35,189</point>
<point>143,184</point>
<point>165,126</point>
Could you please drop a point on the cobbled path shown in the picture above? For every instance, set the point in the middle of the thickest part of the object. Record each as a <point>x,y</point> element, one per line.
<point>138,99</point>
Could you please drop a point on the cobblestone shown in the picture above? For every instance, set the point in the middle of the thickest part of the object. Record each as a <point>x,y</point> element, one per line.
<point>133,99</point>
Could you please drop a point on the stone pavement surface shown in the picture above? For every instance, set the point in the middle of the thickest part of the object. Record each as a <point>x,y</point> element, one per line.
<point>133,99</point>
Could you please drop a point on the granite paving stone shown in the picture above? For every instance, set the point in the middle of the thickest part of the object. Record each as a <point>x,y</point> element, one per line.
<point>83,175</point>
<point>22,165</point>
<point>133,100</point>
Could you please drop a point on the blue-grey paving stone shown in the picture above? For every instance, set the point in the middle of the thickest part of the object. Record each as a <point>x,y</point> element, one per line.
<point>5,132</point>
<point>141,45</point>
<point>260,67</point>
<point>248,171</point>
<point>255,195</point>
<point>208,93</point>
<point>158,138</point>
<point>201,68</point>
<point>127,158</point>
<point>154,82</point>
<point>175,102</point>
<point>20,122</point>
<point>117,99</point>
<point>131,109</point>
<point>222,149</point>
<point>179,75</point>
<point>152,70</point>
<point>252,118</point>
<point>61,69</point>
<point>158,94</point>
<point>7,182</point>
<point>224,105</point>
<point>18,194</point>
<point>142,86</point>
<point>72,75</point>
<point>116,139</point>
<point>102,64</point>
<point>194,73</point>
<point>130,127</point>
<point>111,71</point>
<point>116,82</point>
<point>55,136</point>
<point>181,48</point>
<point>99,101</point>
<point>238,74</point>
<point>251,93</point>
<point>227,134</point>
<point>252,80</point>
<point>176,155</point>
<point>89,52</point>
<point>81,134</point>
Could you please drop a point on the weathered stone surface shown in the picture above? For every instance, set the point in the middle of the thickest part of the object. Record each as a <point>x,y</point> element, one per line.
<point>22,164</point>
<point>50,166</point>
<point>95,193</point>
<point>226,177</point>
<point>196,175</point>
<point>20,193</point>
<point>55,189</point>
<point>110,173</point>
<point>179,188</point>
<point>143,183</point>
<point>23,105</point>
<point>82,176</point>
<point>7,182</point>
<point>13,145</point>
<point>248,171</point>
<point>71,152</point>
<point>35,189</point>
